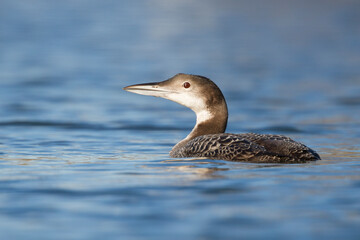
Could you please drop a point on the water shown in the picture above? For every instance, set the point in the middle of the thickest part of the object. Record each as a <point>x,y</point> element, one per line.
<point>83,159</point>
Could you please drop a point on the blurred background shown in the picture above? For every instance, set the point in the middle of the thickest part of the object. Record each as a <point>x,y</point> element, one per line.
<point>57,58</point>
<point>82,159</point>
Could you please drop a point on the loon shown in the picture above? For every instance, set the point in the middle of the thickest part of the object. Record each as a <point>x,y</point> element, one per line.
<point>207,139</point>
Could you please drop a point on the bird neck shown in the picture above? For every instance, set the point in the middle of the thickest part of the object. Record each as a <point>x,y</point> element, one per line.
<point>210,120</point>
<point>207,122</point>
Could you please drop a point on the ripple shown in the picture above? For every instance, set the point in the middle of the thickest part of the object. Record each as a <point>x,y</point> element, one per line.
<point>150,128</point>
<point>22,108</point>
<point>348,101</point>
<point>69,125</point>
<point>39,81</point>
<point>55,143</point>
<point>280,129</point>
<point>89,126</point>
<point>223,190</point>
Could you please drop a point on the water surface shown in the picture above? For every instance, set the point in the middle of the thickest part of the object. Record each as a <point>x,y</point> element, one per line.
<point>82,159</point>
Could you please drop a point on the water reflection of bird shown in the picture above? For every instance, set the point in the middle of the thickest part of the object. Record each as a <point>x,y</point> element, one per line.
<point>207,139</point>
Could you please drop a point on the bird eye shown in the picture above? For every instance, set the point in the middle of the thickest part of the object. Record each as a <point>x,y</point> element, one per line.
<point>186,85</point>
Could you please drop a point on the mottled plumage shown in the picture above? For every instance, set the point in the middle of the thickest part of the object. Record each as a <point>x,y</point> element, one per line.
<point>249,147</point>
<point>207,139</point>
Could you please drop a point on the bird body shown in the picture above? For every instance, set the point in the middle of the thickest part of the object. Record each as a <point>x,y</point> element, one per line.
<point>207,139</point>
<point>248,147</point>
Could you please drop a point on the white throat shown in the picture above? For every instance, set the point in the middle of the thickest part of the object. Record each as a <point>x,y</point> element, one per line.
<point>204,116</point>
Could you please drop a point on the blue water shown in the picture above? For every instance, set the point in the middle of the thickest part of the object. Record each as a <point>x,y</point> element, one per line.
<point>82,159</point>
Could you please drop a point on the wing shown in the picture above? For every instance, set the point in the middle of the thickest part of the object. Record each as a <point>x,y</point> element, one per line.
<point>283,146</point>
<point>222,146</point>
<point>249,147</point>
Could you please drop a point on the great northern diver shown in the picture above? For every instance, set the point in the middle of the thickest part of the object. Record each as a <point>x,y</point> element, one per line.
<point>207,139</point>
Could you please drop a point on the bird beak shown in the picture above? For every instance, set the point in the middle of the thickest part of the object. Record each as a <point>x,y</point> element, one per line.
<point>150,89</point>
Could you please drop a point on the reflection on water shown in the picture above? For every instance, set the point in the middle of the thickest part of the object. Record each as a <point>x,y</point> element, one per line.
<point>82,159</point>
